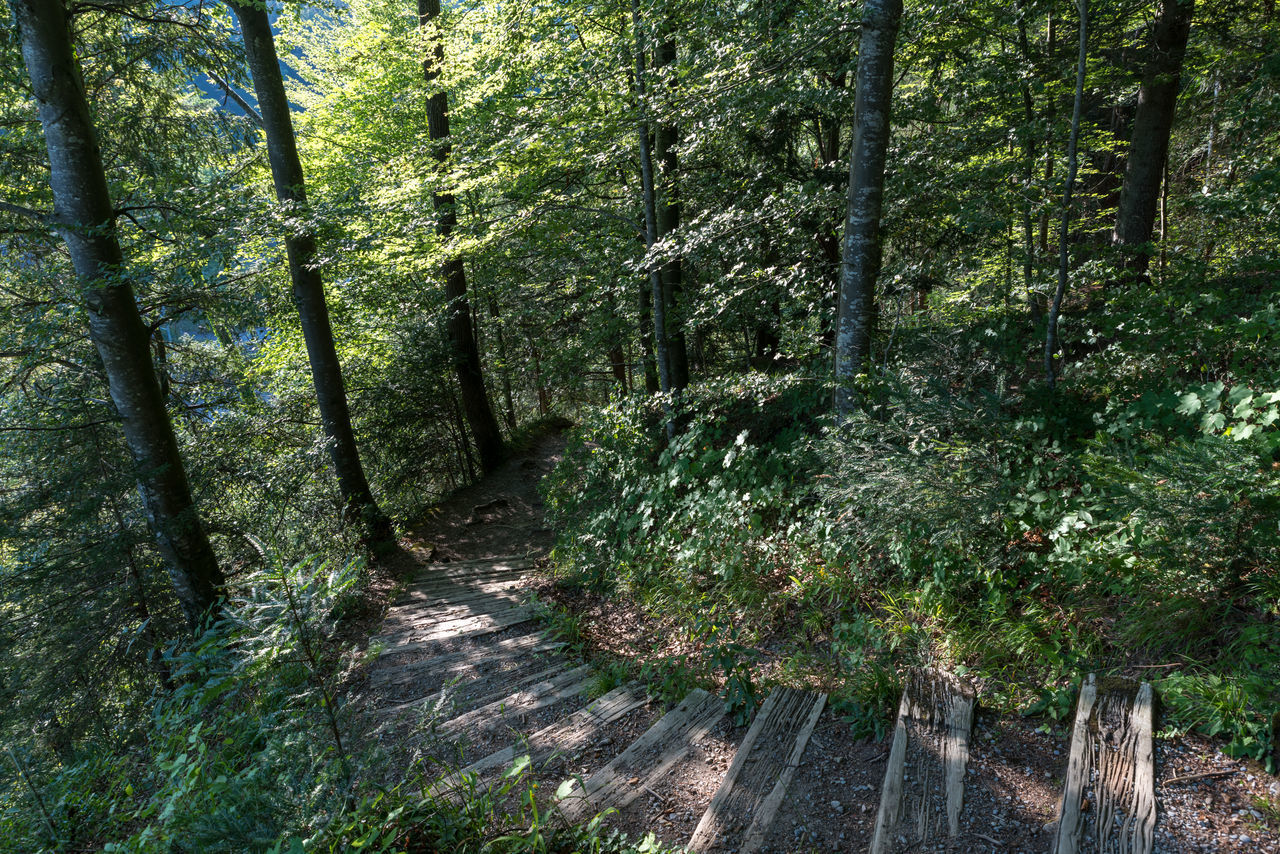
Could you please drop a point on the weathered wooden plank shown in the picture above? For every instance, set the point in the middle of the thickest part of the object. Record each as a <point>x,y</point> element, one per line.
<point>467,581</point>
<point>567,683</point>
<point>454,594</point>
<point>481,691</point>
<point>1112,764</point>
<point>479,629</point>
<point>453,626</point>
<point>761,771</point>
<point>647,759</point>
<point>472,570</point>
<point>442,666</point>
<point>438,611</point>
<point>573,733</point>
<point>451,565</point>
<point>923,792</point>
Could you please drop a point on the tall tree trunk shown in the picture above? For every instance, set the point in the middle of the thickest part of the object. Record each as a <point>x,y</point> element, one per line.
<point>464,443</point>
<point>1055,310</point>
<point>661,353</point>
<point>618,366</point>
<point>85,217</point>
<point>1157,99</point>
<point>1028,154</point>
<point>308,286</point>
<point>466,356</point>
<point>651,385</point>
<point>860,261</point>
<point>510,412</point>
<point>666,137</point>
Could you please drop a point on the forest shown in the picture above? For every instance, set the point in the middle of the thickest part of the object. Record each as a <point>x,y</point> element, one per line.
<point>877,334</point>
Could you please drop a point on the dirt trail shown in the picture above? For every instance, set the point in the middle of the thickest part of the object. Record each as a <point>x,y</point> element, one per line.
<point>499,515</point>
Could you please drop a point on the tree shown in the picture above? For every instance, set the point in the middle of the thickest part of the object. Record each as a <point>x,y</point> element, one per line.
<point>662,353</point>
<point>475,401</point>
<point>1152,123</point>
<point>308,285</point>
<point>862,252</point>
<point>85,217</point>
<point>1068,187</point>
<point>666,136</point>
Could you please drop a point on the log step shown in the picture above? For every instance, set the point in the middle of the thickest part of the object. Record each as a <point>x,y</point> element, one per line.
<point>463,571</point>
<point>473,606</point>
<point>756,782</point>
<point>571,734</point>
<point>500,712</point>
<point>419,637</point>
<point>646,760</point>
<point>461,584</point>
<point>437,596</point>
<point>923,792</point>
<point>1112,764</point>
<point>480,691</point>
<point>439,668</point>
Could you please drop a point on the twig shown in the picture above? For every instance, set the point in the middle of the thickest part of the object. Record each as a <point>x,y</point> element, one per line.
<point>44,811</point>
<point>1193,777</point>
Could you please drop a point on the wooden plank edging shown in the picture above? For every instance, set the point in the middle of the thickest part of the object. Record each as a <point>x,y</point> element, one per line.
<point>924,777</point>
<point>1113,757</point>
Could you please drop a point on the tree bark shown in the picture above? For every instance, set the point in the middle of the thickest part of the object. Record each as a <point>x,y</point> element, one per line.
<point>1157,100</point>
<point>1028,154</point>
<point>510,413</point>
<point>466,356</point>
<point>861,256</point>
<point>666,137</point>
<point>661,352</point>
<point>308,286</point>
<point>651,385</point>
<point>85,217</point>
<point>1055,310</point>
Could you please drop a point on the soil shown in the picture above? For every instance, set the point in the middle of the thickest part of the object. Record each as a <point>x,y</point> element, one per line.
<point>1207,801</point>
<point>671,808</point>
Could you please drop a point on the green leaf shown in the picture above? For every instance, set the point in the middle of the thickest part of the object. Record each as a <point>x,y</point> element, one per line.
<point>518,767</point>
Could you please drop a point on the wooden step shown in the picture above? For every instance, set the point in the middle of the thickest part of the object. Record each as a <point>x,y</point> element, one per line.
<point>419,635</point>
<point>478,630</point>
<point>756,782</point>
<point>470,606</point>
<point>439,668</point>
<point>573,733</point>
<point>482,691</point>
<point>473,570</point>
<point>464,583</point>
<point>646,760</point>
<point>923,792</point>
<point>501,712</point>
<point>459,594</point>
<point>1112,765</point>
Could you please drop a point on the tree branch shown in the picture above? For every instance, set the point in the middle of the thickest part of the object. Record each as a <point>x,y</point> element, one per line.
<point>39,216</point>
<point>253,114</point>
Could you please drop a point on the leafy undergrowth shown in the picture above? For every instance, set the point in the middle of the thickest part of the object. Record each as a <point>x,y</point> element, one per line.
<point>1023,539</point>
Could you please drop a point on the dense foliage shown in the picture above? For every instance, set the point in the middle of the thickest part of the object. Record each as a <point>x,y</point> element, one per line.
<point>1021,537</point>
